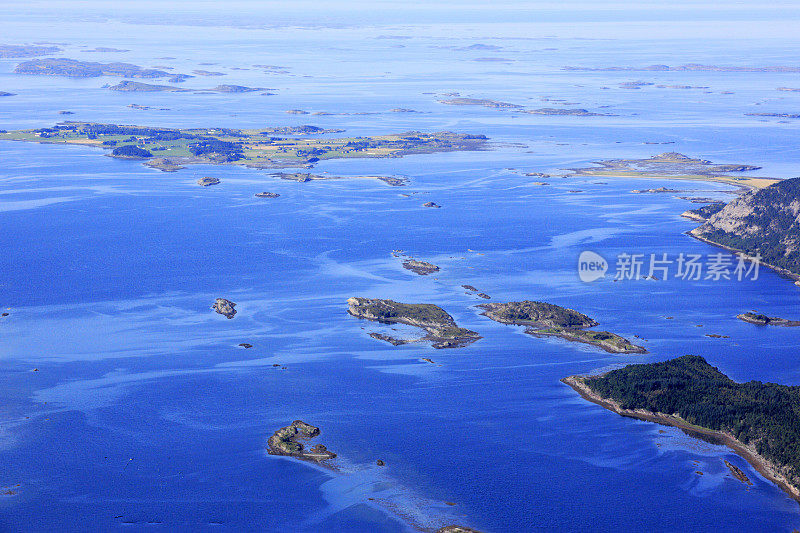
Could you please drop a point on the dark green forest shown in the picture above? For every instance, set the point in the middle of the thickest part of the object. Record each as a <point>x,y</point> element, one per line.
<point>766,415</point>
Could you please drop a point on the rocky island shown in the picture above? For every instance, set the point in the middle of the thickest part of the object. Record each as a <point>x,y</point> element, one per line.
<point>86,69</point>
<point>543,319</point>
<point>764,320</point>
<point>423,268</point>
<point>440,327</point>
<point>224,307</point>
<point>765,222</point>
<point>139,87</point>
<point>288,441</point>
<point>480,102</point>
<point>759,421</point>
<point>207,181</point>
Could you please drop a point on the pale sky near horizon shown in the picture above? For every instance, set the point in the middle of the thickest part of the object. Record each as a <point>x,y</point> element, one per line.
<point>646,19</point>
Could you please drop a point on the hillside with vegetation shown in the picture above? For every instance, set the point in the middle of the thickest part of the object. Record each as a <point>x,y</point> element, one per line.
<point>765,222</point>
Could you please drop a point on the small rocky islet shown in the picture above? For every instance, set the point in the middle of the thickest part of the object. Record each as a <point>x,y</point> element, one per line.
<point>208,181</point>
<point>224,307</point>
<point>287,441</point>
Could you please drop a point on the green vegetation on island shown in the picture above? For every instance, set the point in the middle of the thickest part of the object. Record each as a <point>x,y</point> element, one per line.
<point>763,222</point>
<point>441,328</point>
<point>130,151</point>
<point>760,421</point>
<point>251,148</point>
<point>543,319</point>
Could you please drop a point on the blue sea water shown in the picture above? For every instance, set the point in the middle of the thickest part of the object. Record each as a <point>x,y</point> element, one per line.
<point>125,402</point>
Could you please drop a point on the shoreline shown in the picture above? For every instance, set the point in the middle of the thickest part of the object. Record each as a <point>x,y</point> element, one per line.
<point>782,271</point>
<point>763,466</point>
<point>743,183</point>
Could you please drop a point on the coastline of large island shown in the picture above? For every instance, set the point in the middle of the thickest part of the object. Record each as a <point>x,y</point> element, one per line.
<point>759,421</point>
<point>170,148</point>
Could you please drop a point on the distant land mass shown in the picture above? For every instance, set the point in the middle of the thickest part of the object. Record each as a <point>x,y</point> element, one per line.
<point>765,221</point>
<point>172,148</point>
<point>690,67</point>
<point>15,50</point>
<point>673,165</point>
<point>86,69</point>
<point>760,421</point>
<point>139,87</point>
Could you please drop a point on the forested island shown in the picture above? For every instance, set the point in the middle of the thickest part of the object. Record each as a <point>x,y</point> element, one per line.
<point>760,421</point>
<point>441,328</point>
<point>764,222</point>
<point>543,319</point>
<point>252,148</point>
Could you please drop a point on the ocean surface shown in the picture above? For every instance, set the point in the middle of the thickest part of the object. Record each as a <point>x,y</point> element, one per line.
<point>125,402</point>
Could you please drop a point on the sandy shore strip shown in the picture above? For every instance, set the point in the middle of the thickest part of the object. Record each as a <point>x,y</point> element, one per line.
<point>764,467</point>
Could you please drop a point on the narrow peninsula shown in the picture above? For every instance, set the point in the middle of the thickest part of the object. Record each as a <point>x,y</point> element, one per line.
<point>759,421</point>
<point>548,320</point>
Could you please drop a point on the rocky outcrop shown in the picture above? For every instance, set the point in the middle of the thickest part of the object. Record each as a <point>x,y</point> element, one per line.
<point>423,268</point>
<point>764,320</point>
<point>288,441</point>
<point>206,181</point>
<point>224,307</point>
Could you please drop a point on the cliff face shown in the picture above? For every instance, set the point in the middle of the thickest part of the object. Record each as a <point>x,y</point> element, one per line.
<point>765,221</point>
